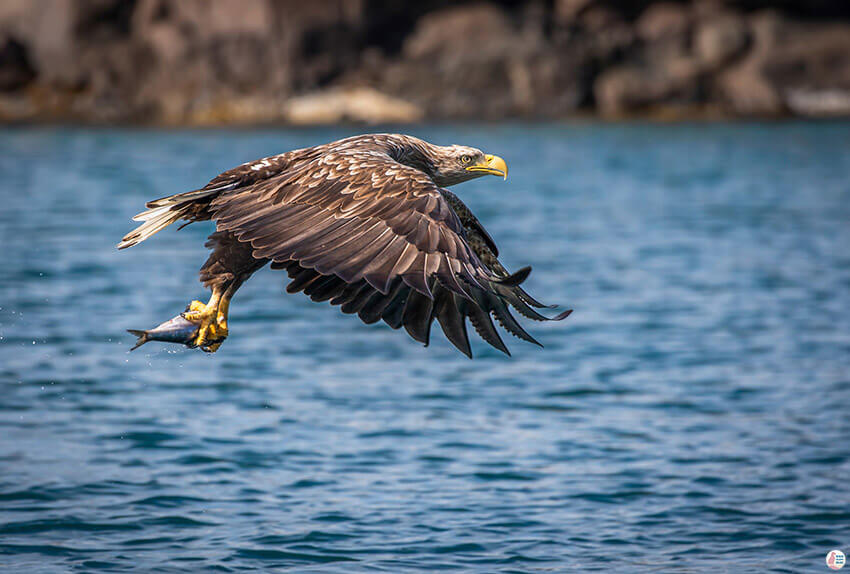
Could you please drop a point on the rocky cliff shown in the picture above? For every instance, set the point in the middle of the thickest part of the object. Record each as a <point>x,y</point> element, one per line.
<point>255,61</point>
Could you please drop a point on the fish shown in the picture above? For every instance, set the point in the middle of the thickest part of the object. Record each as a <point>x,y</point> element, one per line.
<point>175,330</point>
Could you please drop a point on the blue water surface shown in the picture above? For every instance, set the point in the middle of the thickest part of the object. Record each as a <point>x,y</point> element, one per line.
<point>690,416</point>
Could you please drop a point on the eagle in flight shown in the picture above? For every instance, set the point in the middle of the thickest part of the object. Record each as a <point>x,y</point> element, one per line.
<point>365,223</point>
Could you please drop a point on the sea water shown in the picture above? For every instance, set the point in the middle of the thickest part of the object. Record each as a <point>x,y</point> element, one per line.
<point>690,416</point>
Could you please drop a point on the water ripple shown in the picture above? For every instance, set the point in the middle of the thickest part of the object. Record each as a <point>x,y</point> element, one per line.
<point>686,418</point>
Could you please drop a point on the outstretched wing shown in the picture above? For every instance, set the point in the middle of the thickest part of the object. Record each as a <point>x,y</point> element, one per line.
<point>356,214</point>
<point>405,307</point>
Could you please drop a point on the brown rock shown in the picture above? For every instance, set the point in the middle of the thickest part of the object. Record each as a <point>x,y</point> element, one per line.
<point>810,68</point>
<point>818,103</point>
<point>480,31</point>
<point>604,35</point>
<point>663,21</point>
<point>206,19</point>
<point>630,89</point>
<point>209,61</point>
<point>16,70</point>
<point>457,62</point>
<point>354,105</point>
<point>46,29</point>
<point>809,55</point>
<point>567,11</point>
<point>744,88</point>
<point>800,67</point>
<point>720,39</point>
<point>620,90</point>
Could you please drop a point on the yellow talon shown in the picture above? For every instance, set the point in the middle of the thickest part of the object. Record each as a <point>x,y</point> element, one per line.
<point>195,306</point>
<point>213,322</point>
<point>211,335</point>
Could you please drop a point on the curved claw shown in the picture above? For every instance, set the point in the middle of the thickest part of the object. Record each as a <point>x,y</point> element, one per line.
<point>212,330</point>
<point>212,347</point>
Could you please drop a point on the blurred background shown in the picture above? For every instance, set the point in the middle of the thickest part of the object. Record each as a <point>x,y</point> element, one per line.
<point>202,62</point>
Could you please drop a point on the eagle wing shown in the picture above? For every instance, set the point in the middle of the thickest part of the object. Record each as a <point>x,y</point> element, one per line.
<point>405,307</point>
<point>355,214</point>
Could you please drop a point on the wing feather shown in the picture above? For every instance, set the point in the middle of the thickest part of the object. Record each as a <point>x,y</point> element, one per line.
<point>394,310</point>
<point>374,307</point>
<point>417,316</point>
<point>358,299</point>
<point>452,320</point>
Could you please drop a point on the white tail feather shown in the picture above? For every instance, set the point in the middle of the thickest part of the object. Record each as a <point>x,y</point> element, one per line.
<point>151,213</point>
<point>155,220</point>
<point>165,211</point>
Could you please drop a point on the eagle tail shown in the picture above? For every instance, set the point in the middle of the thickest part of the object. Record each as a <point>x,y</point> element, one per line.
<point>155,220</point>
<point>163,212</point>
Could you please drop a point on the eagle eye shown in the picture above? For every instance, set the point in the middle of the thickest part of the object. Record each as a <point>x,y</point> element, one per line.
<point>465,159</point>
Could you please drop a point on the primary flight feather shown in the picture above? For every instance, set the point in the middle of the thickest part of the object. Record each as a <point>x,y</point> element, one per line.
<point>365,223</point>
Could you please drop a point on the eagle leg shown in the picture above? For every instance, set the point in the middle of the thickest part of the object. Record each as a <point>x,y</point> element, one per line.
<point>229,265</point>
<point>212,320</point>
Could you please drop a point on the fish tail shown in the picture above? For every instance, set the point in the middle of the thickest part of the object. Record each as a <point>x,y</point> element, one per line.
<point>142,337</point>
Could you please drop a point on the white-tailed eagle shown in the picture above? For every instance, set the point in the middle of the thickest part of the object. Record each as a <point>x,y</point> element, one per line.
<point>365,223</point>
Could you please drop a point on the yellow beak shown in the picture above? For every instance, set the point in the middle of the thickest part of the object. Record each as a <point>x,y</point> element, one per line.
<point>493,165</point>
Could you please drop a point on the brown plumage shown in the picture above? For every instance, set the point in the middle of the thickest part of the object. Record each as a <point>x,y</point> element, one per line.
<point>364,223</point>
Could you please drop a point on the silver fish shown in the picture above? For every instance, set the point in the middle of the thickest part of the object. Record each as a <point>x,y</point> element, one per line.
<point>176,330</point>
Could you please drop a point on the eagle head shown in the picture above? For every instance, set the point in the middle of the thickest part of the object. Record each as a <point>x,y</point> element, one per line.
<point>455,164</point>
<point>445,165</point>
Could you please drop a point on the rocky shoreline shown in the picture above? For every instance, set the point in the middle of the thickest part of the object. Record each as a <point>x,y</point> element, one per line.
<point>219,62</point>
